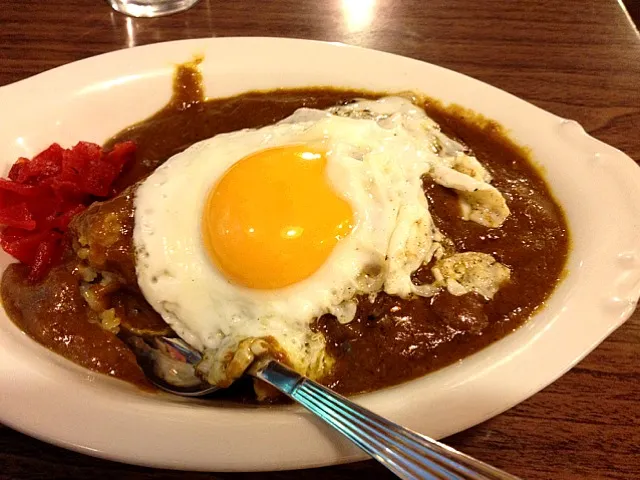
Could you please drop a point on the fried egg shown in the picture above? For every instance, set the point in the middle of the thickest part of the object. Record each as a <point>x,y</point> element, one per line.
<point>246,238</point>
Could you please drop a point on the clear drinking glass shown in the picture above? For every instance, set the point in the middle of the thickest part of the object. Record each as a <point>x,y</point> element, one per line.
<point>151,8</point>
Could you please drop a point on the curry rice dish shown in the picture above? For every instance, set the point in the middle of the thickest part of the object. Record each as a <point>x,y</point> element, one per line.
<point>363,238</point>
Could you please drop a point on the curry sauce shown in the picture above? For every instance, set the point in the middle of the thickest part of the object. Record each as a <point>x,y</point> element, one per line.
<point>391,340</point>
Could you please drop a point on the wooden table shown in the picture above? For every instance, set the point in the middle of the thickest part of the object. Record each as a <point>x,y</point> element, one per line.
<point>578,58</point>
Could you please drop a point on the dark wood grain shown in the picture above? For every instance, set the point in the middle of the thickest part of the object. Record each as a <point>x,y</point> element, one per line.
<point>578,58</point>
<point>633,8</point>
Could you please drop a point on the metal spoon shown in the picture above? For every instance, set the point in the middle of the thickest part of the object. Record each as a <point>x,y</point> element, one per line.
<point>407,454</point>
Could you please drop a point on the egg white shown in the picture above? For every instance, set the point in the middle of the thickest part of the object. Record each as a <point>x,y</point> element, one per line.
<point>377,154</point>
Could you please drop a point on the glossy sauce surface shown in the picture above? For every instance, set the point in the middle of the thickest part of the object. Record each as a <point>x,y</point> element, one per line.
<point>421,335</point>
<point>54,314</point>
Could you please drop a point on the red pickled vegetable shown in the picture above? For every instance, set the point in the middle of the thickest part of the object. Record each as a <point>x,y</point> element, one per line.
<point>42,195</point>
<point>47,254</point>
<point>17,216</point>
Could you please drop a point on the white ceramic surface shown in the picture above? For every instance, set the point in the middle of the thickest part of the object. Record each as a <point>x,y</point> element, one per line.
<point>48,397</point>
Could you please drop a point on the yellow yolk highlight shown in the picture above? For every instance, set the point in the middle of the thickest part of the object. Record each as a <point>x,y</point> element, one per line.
<point>273,218</point>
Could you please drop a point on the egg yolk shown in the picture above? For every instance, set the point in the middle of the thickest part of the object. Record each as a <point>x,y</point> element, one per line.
<point>273,218</point>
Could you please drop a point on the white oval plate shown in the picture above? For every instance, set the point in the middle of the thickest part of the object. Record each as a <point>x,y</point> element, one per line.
<point>47,397</point>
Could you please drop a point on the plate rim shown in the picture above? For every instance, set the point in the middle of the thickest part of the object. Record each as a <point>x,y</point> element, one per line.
<point>340,452</point>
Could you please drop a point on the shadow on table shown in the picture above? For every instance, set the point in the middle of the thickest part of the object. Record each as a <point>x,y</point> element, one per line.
<point>633,7</point>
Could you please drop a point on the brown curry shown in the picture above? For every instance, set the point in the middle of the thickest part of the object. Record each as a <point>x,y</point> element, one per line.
<point>391,340</point>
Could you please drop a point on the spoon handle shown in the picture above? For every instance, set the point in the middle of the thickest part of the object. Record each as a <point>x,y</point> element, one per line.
<point>406,453</point>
